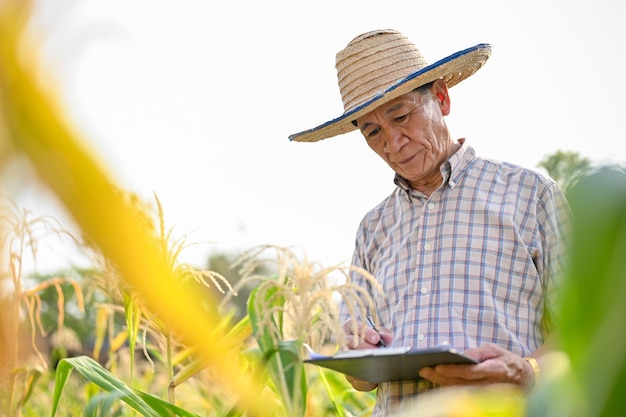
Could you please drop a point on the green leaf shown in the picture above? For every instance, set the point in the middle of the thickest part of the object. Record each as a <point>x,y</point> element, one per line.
<point>146,404</point>
<point>265,328</point>
<point>64,370</point>
<point>593,308</point>
<point>165,408</point>
<point>101,402</point>
<point>331,394</point>
<point>132,313</point>
<point>282,357</point>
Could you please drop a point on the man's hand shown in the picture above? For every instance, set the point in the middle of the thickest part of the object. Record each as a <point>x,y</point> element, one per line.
<point>362,336</point>
<point>496,365</point>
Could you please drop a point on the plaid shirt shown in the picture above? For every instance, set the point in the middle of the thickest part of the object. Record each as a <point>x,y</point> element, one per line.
<point>471,264</point>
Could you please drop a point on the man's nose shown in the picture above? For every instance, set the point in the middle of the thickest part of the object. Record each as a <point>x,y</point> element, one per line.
<point>393,140</point>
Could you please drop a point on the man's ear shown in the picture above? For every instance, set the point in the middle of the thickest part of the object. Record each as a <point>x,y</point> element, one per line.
<point>440,93</point>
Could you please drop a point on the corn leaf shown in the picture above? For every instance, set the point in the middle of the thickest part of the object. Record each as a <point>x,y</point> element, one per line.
<point>100,405</point>
<point>132,314</point>
<point>333,398</point>
<point>146,404</point>
<point>285,365</point>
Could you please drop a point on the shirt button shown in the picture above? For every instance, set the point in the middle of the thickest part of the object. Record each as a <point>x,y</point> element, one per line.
<point>420,336</point>
<point>427,246</point>
<point>424,290</point>
<point>431,206</point>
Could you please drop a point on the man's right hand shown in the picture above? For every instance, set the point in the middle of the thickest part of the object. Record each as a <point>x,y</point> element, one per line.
<point>361,336</point>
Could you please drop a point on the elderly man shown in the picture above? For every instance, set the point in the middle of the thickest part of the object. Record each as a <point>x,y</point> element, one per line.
<point>468,251</point>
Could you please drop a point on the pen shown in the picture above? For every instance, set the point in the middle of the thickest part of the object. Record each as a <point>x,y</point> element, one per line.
<point>370,321</point>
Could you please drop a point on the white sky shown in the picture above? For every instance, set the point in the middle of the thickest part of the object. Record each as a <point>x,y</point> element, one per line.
<point>194,100</point>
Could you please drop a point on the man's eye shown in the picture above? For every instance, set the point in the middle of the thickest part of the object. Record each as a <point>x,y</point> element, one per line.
<point>373,133</point>
<point>401,119</point>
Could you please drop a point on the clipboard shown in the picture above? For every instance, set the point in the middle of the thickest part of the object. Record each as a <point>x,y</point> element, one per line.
<point>389,364</point>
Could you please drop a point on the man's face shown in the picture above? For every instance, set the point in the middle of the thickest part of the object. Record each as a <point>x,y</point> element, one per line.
<point>410,134</point>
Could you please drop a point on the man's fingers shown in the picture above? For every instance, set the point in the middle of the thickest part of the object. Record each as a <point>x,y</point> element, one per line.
<point>361,336</point>
<point>353,327</point>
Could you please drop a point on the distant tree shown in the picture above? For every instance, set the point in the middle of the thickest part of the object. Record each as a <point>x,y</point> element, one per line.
<point>566,167</point>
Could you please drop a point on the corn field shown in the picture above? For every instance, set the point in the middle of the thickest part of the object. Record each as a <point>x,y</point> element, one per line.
<point>164,338</point>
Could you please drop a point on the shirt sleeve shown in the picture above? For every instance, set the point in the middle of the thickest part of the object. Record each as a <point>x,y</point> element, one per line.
<point>553,216</point>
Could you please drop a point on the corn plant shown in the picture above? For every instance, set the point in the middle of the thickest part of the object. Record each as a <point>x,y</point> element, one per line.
<point>141,322</point>
<point>22,361</point>
<point>294,309</point>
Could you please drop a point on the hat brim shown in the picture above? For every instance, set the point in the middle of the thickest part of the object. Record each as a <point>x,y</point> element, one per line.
<point>452,69</point>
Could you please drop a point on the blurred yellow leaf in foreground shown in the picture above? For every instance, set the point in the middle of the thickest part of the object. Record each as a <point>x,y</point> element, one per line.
<point>31,123</point>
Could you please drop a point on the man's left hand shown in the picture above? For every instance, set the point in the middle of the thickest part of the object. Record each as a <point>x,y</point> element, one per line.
<point>496,365</point>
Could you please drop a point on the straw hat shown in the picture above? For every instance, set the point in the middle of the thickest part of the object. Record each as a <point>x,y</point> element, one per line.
<point>379,66</point>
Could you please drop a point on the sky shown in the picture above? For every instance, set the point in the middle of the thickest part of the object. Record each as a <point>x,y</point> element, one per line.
<point>194,101</point>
